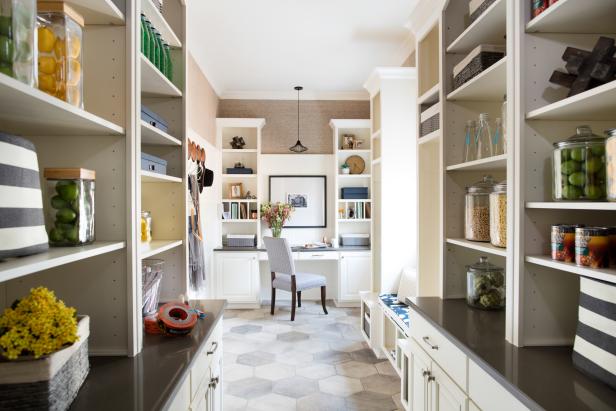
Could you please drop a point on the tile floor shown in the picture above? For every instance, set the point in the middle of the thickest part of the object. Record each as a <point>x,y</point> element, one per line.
<point>316,363</point>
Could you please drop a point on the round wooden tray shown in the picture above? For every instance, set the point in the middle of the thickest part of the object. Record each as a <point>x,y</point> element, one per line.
<point>356,164</point>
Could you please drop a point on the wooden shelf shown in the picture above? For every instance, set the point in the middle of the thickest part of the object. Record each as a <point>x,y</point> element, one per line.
<point>431,96</point>
<point>153,82</point>
<point>354,220</point>
<point>239,200</point>
<point>490,163</point>
<point>150,177</point>
<point>483,247</point>
<point>570,205</point>
<point>354,175</point>
<point>356,151</point>
<point>160,24</point>
<point>239,151</point>
<point>28,111</point>
<point>598,103</point>
<point>433,136</point>
<point>99,12</point>
<point>574,16</point>
<point>154,247</point>
<point>235,220</point>
<point>154,136</point>
<point>603,274</point>
<point>489,28</point>
<point>54,257</point>
<point>239,176</point>
<point>490,85</point>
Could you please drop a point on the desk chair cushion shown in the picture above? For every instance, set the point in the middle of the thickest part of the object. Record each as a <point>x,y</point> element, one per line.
<point>303,281</point>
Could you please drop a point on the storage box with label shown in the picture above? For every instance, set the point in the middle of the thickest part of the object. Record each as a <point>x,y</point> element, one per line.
<point>153,164</point>
<point>354,193</point>
<point>154,119</point>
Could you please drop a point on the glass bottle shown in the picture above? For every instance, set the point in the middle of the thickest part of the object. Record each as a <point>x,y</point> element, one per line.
<point>498,142</point>
<point>145,36</point>
<point>152,53</point>
<point>160,58</point>
<point>483,140</point>
<point>504,122</point>
<point>168,62</point>
<point>469,141</point>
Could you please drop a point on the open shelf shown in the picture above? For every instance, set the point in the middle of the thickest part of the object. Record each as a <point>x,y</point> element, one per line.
<point>239,176</point>
<point>574,16</point>
<point>554,205</point>
<point>239,151</point>
<point>99,12</point>
<point>433,136</point>
<point>154,247</point>
<point>603,274</point>
<point>473,245</point>
<point>160,24</point>
<point>235,220</point>
<point>490,163</point>
<point>490,85</point>
<point>155,136</point>
<point>354,201</point>
<point>28,111</point>
<point>353,220</point>
<point>431,96</point>
<point>150,177</point>
<point>598,103</point>
<point>488,28</point>
<point>356,151</point>
<point>54,257</point>
<point>239,200</point>
<point>153,82</point>
<point>354,175</point>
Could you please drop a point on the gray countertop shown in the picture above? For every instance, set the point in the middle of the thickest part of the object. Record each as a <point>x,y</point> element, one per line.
<point>297,249</point>
<point>541,377</point>
<point>150,380</point>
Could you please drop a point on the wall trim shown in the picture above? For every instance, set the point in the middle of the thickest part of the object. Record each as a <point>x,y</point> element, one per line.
<point>292,95</point>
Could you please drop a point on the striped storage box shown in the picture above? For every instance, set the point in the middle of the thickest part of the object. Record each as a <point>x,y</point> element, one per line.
<point>22,225</point>
<point>594,351</point>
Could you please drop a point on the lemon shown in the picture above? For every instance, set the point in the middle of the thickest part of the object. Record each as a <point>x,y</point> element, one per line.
<point>46,39</point>
<point>47,83</point>
<point>74,72</point>
<point>74,46</point>
<point>60,49</point>
<point>47,64</point>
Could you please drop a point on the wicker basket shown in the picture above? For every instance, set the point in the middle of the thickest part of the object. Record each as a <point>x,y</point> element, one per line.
<point>478,60</point>
<point>49,383</point>
<point>474,15</point>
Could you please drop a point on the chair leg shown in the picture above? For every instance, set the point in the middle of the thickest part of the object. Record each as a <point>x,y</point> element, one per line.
<point>293,302</point>
<point>299,298</point>
<point>273,301</point>
<point>323,292</point>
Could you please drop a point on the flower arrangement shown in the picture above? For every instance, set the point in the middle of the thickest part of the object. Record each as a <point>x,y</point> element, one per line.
<point>39,324</point>
<point>275,215</point>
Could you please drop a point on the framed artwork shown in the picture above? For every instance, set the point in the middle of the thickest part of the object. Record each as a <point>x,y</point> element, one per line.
<point>235,190</point>
<point>308,194</point>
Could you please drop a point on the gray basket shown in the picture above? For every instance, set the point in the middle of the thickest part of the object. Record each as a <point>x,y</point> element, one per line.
<point>484,6</point>
<point>242,241</point>
<point>430,125</point>
<point>481,62</point>
<point>350,240</point>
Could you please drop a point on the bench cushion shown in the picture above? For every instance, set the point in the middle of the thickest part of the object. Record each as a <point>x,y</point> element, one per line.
<point>303,281</point>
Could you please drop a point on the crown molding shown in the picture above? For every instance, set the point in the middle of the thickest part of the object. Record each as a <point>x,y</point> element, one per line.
<point>388,73</point>
<point>292,95</point>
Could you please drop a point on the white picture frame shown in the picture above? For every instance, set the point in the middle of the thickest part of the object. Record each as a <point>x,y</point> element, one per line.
<point>309,192</point>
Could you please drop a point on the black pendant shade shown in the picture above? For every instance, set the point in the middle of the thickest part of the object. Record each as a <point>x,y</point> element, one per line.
<point>298,147</point>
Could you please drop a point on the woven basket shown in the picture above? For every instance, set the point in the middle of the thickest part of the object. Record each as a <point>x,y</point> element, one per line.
<point>430,125</point>
<point>477,65</point>
<point>49,383</point>
<point>484,6</point>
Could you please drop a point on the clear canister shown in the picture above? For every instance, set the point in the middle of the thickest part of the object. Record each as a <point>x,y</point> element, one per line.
<point>498,215</point>
<point>485,285</point>
<point>146,226</point>
<point>70,206</point>
<point>17,40</point>
<point>151,272</point>
<point>610,157</point>
<point>60,43</point>
<point>477,210</point>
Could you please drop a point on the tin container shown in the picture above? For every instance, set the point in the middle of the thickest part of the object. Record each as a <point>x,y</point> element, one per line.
<point>563,242</point>
<point>592,247</point>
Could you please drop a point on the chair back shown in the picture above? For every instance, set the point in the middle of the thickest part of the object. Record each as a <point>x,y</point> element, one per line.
<point>279,255</point>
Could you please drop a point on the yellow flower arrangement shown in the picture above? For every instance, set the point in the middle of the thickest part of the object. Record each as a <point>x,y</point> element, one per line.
<point>39,324</point>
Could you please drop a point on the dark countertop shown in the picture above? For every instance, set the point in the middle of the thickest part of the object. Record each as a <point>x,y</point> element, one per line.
<point>150,380</point>
<point>540,377</point>
<point>297,249</point>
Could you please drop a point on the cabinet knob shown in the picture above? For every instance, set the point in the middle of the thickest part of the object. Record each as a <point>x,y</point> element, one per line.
<point>431,378</point>
<point>426,339</point>
<point>213,349</point>
<point>425,373</point>
<point>214,382</point>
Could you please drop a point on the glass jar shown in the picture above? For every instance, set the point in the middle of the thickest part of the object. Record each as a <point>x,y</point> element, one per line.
<point>579,167</point>
<point>477,210</point>
<point>470,151</point>
<point>592,247</point>
<point>146,226</point>
<point>151,272</point>
<point>483,140</point>
<point>610,154</point>
<point>612,239</point>
<point>562,239</point>
<point>485,285</point>
<point>498,215</point>
<point>70,194</point>
<point>60,52</point>
<point>17,40</point>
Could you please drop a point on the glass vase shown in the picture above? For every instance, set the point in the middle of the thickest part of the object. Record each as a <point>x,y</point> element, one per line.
<point>276,232</point>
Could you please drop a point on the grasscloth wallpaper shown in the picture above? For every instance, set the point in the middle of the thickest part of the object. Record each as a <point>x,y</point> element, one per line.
<point>280,131</point>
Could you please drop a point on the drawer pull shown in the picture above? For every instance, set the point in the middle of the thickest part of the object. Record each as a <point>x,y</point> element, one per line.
<point>213,349</point>
<point>427,341</point>
<point>431,378</point>
<point>214,382</point>
<point>425,373</point>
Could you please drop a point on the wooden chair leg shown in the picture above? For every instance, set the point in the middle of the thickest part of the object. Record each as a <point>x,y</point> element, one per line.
<point>273,301</point>
<point>299,298</point>
<point>293,297</point>
<point>323,293</point>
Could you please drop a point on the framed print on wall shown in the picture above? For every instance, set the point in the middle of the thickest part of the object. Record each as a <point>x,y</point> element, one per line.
<point>308,194</point>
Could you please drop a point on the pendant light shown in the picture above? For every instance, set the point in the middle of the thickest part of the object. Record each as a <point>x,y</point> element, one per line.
<point>298,147</point>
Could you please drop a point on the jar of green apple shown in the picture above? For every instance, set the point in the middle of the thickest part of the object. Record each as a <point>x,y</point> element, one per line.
<point>610,153</point>
<point>70,206</point>
<point>485,285</point>
<point>579,171</point>
<point>18,41</point>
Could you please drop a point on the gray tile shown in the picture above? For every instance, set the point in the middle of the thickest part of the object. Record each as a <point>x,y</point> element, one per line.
<point>383,384</point>
<point>355,369</point>
<point>293,336</point>
<point>385,368</point>
<point>316,371</point>
<point>340,386</point>
<point>332,357</point>
<point>321,402</point>
<point>246,329</point>
<point>295,387</point>
<point>249,388</point>
<point>341,327</point>
<point>370,401</point>
<point>366,355</point>
<point>272,402</point>
<point>255,358</point>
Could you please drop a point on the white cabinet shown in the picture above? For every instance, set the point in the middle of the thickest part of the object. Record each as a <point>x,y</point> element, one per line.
<point>419,371</point>
<point>355,272</point>
<point>237,278</point>
<point>445,394</point>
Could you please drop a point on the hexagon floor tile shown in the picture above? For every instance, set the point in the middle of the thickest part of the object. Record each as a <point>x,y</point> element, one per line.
<point>355,369</point>
<point>295,387</point>
<point>340,386</point>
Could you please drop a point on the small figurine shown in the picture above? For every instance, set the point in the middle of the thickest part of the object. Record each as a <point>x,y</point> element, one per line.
<point>237,143</point>
<point>249,196</point>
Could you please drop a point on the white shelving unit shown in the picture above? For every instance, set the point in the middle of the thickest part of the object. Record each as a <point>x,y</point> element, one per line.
<point>485,164</point>
<point>153,82</point>
<point>490,85</point>
<point>488,28</point>
<point>155,247</point>
<point>99,12</point>
<point>572,16</point>
<point>156,137</point>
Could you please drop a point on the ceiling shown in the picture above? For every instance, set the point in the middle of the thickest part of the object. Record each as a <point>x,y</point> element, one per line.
<point>262,48</point>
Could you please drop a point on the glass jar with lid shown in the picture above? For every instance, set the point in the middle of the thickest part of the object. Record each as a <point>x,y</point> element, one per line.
<point>477,210</point>
<point>498,215</point>
<point>579,167</point>
<point>610,158</point>
<point>18,40</point>
<point>146,226</point>
<point>485,285</point>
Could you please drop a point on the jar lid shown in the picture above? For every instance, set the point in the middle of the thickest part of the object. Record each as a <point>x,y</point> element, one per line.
<point>592,231</point>
<point>60,7</point>
<point>69,174</point>
<point>486,185</point>
<point>583,134</point>
<point>483,265</point>
<point>567,228</point>
<point>501,187</point>
<point>611,132</point>
<point>145,213</point>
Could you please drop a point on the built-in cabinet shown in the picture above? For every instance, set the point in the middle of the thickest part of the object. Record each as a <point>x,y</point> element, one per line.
<point>355,275</point>
<point>238,279</point>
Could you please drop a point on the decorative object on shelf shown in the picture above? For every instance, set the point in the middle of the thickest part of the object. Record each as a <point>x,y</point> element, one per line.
<point>154,119</point>
<point>356,164</point>
<point>430,119</point>
<point>348,141</point>
<point>25,235</point>
<point>237,143</point>
<point>151,273</point>
<point>477,61</point>
<point>477,210</point>
<point>358,143</point>
<point>70,192</point>
<point>594,335</point>
<point>314,188</point>
<point>298,147</point>
<point>562,240</point>
<point>470,149</point>
<point>46,345</point>
<point>538,6</point>
<point>610,158</point>
<point>587,69</point>
<point>236,190</point>
<point>155,48</point>
<point>354,193</point>
<point>498,215</point>
<point>485,285</point>
<point>241,240</point>
<point>250,196</point>
<point>146,226</point>
<point>154,164</point>
<point>18,57</point>
<point>60,58</point>
<point>275,215</point>
<point>579,169</point>
<point>345,169</point>
<point>592,246</point>
<point>477,7</point>
<point>354,240</point>
<point>239,168</point>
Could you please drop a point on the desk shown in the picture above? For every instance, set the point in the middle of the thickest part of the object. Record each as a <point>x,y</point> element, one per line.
<point>242,275</point>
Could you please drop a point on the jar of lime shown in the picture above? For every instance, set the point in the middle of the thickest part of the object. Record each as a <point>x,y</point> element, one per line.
<point>70,206</point>
<point>60,32</point>
<point>579,167</point>
<point>17,40</point>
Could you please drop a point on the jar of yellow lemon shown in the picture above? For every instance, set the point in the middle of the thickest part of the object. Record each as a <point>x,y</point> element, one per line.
<point>60,33</point>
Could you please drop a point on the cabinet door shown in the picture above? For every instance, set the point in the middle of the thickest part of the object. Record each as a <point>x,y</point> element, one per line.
<point>216,385</point>
<point>355,274</point>
<point>445,394</point>
<point>201,402</point>
<point>237,277</point>
<point>419,371</point>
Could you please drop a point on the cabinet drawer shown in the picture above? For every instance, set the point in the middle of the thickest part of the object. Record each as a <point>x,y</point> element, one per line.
<point>316,255</point>
<point>443,352</point>
<point>199,371</point>
<point>488,394</point>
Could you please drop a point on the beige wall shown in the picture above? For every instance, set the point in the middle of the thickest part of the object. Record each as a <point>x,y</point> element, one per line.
<point>410,61</point>
<point>202,102</point>
<point>280,131</point>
